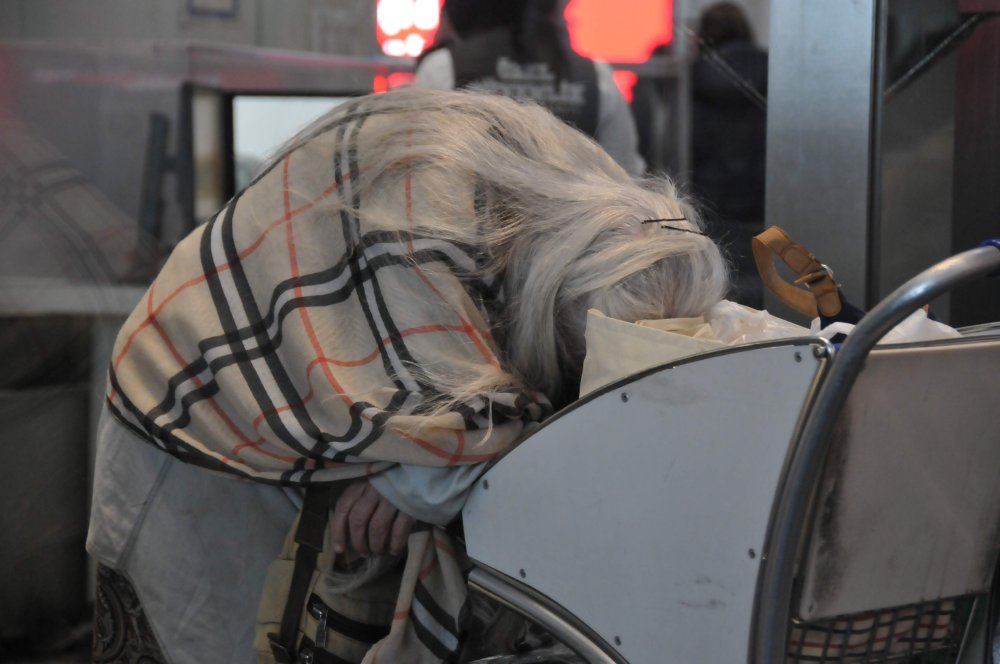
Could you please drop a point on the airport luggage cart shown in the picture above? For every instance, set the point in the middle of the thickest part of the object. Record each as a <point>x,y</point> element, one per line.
<point>776,502</point>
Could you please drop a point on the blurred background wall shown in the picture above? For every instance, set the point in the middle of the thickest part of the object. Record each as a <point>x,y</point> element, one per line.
<point>328,26</point>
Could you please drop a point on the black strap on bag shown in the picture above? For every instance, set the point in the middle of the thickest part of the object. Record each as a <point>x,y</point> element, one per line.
<point>309,537</point>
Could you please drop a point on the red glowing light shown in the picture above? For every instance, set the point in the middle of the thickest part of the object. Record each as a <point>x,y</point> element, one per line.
<point>625,80</point>
<point>400,79</point>
<point>404,28</point>
<point>613,31</point>
<point>397,79</point>
<point>607,30</point>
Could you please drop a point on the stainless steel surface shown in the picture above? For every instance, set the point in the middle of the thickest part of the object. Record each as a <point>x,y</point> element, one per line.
<point>883,140</point>
<point>820,129</point>
<point>526,604</point>
<point>689,489</point>
<point>789,524</point>
<point>909,491</point>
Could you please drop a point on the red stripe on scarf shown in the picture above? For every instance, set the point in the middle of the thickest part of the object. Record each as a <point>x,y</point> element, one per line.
<point>288,216</point>
<point>244,439</point>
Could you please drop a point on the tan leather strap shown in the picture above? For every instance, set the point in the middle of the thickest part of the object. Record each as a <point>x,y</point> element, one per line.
<point>822,296</point>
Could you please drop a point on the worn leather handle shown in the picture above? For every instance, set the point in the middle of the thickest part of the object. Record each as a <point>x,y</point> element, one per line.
<point>821,295</point>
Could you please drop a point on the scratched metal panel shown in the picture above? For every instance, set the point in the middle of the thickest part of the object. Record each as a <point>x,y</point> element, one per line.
<point>643,511</point>
<point>910,503</point>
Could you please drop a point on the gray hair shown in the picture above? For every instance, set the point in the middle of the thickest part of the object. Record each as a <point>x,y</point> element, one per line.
<point>559,223</point>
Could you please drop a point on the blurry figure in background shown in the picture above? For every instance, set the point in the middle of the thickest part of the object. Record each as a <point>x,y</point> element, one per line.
<point>518,48</point>
<point>729,126</point>
<point>654,108</point>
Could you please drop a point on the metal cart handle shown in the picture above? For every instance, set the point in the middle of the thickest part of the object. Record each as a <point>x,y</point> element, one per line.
<point>788,523</point>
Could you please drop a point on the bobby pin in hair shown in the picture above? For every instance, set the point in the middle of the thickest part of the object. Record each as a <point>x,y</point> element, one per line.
<point>673,228</point>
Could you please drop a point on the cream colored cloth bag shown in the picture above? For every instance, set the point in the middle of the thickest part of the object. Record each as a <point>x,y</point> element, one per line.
<point>617,349</point>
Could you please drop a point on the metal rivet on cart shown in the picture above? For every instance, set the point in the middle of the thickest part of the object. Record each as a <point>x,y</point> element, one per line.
<point>798,356</point>
<point>486,484</point>
<point>522,573</point>
<point>752,554</point>
<point>819,351</point>
<point>618,640</point>
<point>624,397</point>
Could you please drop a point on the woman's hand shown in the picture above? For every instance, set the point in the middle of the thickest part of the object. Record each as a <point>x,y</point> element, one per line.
<point>367,523</point>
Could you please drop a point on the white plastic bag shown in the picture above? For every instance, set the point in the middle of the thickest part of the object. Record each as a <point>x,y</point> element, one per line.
<point>915,327</point>
<point>734,323</point>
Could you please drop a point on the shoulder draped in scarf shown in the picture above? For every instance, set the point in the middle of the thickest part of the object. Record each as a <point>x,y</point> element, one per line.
<point>290,338</point>
<point>293,339</point>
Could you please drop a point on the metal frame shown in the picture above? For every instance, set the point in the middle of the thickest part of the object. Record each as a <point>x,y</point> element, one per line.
<point>789,522</point>
<point>544,613</point>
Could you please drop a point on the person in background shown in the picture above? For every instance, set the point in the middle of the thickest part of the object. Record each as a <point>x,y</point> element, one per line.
<point>654,109</point>
<point>519,49</point>
<point>729,126</point>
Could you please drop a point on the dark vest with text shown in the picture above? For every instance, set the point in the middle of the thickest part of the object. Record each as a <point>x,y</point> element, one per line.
<point>488,62</point>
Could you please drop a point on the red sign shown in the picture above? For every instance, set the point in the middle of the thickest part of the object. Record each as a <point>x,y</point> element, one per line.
<point>617,31</point>
<point>608,30</point>
<point>405,28</point>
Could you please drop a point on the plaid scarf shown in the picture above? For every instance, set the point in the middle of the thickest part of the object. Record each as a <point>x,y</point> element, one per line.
<point>286,339</point>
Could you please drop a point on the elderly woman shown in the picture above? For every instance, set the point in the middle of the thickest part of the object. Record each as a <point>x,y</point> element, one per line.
<point>391,304</point>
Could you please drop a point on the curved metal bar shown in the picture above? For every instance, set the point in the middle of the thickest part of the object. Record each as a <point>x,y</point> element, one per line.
<point>773,604</point>
<point>587,646</point>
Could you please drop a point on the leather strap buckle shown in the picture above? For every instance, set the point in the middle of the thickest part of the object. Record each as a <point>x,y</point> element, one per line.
<point>821,294</point>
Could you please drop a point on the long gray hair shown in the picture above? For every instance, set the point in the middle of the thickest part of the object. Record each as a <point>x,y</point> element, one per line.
<point>559,223</point>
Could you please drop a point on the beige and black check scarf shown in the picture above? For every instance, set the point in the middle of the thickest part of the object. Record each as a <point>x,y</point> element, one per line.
<point>284,341</point>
